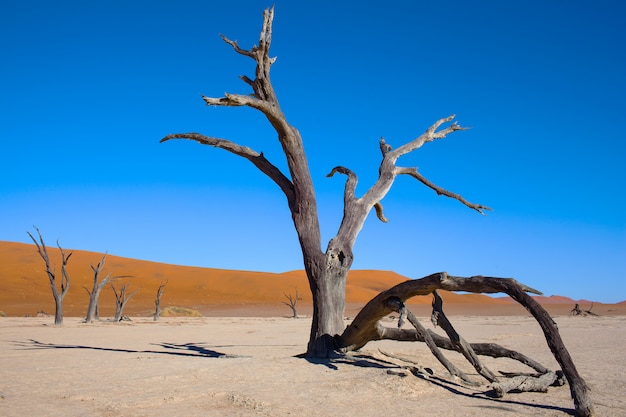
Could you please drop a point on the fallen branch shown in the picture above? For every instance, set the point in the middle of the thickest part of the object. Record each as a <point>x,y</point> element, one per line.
<point>366,327</point>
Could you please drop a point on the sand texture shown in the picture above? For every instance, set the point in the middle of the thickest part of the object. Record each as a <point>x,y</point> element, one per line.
<point>248,366</point>
<point>25,290</point>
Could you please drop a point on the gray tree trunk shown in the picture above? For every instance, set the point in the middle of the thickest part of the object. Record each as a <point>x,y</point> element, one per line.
<point>157,301</point>
<point>94,294</point>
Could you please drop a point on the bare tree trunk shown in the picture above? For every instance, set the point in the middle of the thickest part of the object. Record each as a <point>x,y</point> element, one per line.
<point>328,288</point>
<point>94,294</point>
<point>65,279</point>
<point>157,301</point>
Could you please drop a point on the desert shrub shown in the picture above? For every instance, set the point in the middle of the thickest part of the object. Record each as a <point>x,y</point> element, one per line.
<point>180,312</point>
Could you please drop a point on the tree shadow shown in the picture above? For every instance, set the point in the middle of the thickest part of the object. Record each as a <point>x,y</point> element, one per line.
<point>360,360</point>
<point>186,349</point>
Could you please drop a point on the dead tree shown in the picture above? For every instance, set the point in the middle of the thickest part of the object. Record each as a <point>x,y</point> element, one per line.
<point>98,284</point>
<point>292,302</point>
<point>157,301</point>
<point>121,298</point>
<point>576,311</point>
<point>65,279</point>
<point>327,269</point>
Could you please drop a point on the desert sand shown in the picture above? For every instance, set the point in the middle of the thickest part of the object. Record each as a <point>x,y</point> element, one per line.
<point>25,290</point>
<point>239,357</point>
<point>247,366</point>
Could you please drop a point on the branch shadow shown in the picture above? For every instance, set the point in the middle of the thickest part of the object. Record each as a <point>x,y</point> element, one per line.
<point>368,361</point>
<point>456,389</point>
<point>186,349</point>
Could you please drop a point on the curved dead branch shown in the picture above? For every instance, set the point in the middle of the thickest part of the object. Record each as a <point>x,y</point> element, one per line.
<point>366,326</point>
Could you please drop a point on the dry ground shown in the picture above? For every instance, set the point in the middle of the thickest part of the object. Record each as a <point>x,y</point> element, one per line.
<point>245,366</point>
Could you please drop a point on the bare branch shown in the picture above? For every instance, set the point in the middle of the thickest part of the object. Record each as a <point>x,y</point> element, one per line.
<point>251,155</point>
<point>384,146</point>
<point>237,100</point>
<point>440,191</point>
<point>236,47</point>
<point>439,318</point>
<point>350,188</point>
<point>379,212</point>
<point>398,305</point>
<point>428,136</point>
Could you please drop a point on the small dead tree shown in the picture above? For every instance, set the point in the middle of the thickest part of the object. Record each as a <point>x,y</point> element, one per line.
<point>52,278</point>
<point>576,311</point>
<point>121,298</point>
<point>98,284</point>
<point>292,302</point>
<point>157,301</point>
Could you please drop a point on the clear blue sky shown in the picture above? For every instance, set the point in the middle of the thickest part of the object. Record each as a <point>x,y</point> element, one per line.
<point>88,88</point>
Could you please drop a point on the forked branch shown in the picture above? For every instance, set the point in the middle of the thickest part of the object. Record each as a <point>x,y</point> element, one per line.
<point>441,191</point>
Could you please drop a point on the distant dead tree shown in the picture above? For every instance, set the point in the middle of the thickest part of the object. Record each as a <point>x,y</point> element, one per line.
<point>576,311</point>
<point>65,279</point>
<point>157,301</point>
<point>292,302</point>
<point>98,284</point>
<point>121,298</point>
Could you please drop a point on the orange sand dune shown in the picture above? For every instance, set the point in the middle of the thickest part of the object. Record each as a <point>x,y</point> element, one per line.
<point>24,288</point>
